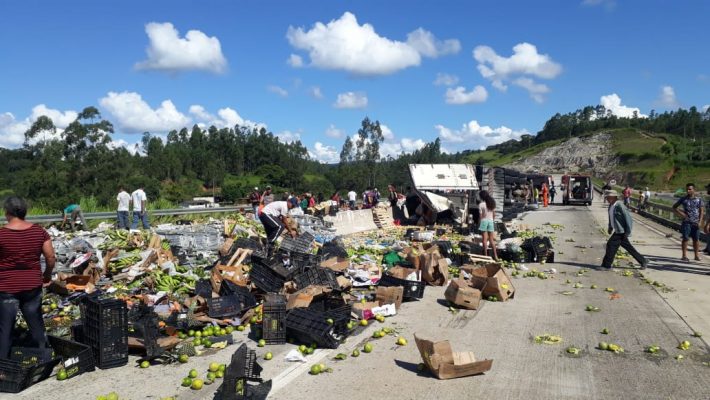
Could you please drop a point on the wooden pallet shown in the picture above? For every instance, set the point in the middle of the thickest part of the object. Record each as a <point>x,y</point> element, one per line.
<point>382,217</point>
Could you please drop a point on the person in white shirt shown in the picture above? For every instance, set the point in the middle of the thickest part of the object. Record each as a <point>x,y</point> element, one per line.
<point>273,217</point>
<point>124,200</point>
<point>139,199</point>
<point>352,196</point>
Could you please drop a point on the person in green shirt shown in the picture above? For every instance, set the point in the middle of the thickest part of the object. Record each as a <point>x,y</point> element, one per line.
<point>72,212</point>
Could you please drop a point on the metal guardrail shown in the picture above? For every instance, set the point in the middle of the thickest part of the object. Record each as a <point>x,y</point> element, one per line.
<point>47,219</point>
<point>660,213</point>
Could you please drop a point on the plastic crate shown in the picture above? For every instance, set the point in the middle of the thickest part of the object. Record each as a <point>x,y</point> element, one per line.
<point>412,289</point>
<point>106,331</point>
<point>246,298</point>
<point>317,276</point>
<point>303,260</point>
<point>203,288</point>
<point>242,370</point>
<point>302,243</point>
<point>274,319</point>
<point>31,356</point>
<point>225,306</point>
<point>77,358</point>
<point>311,326</point>
<point>16,378</point>
<point>264,278</point>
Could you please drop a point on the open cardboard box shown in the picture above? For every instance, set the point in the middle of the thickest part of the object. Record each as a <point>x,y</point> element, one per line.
<point>364,310</point>
<point>462,294</point>
<point>390,295</point>
<point>495,280</point>
<point>445,364</point>
<point>337,264</point>
<point>305,296</point>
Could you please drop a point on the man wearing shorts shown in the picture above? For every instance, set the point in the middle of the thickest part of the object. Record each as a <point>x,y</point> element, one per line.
<point>692,215</point>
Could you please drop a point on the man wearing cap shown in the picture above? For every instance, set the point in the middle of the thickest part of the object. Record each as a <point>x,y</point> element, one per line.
<point>273,217</point>
<point>692,215</point>
<point>620,225</point>
<point>255,199</point>
<point>267,197</point>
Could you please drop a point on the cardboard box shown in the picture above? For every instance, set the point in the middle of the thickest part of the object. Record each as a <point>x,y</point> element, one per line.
<point>462,294</point>
<point>344,283</point>
<point>364,310</point>
<point>404,273</point>
<point>336,264</point>
<point>434,267</point>
<point>234,274</point>
<point>390,295</point>
<point>495,281</point>
<point>445,364</point>
<point>305,296</point>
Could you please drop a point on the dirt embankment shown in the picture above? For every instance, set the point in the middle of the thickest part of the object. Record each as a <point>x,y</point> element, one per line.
<point>592,154</point>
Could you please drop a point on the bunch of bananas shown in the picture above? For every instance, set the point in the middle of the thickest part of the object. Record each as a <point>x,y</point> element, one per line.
<point>125,262</point>
<point>115,239</point>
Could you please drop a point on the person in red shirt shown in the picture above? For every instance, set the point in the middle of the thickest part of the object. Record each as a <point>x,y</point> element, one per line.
<point>21,277</point>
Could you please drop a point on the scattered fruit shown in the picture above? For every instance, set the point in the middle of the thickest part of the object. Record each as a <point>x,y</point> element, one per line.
<point>329,321</point>
<point>340,356</point>
<point>684,345</point>
<point>197,384</point>
<point>192,374</point>
<point>697,334</point>
<point>268,356</point>
<point>61,375</point>
<point>363,322</point>
<point>186,382</point>
<point>605,331</point>
<point>355,353</point>
<point>214,367</point>
<point>603,346</point>
<point>145,364</point>
<point>421,367</point>
<point>679,357</point>
<point>240,328</point>
<point>573,350</point>
<point>219,374</point>
<point>547,338</point>
<point>592,308</point>
<point>593,286</point>
<point>315,369</point>
<point>367,348</point>
<point>401,341</point>
<point>261,343</point>
<point>653,349</point>
<point>183,358</point>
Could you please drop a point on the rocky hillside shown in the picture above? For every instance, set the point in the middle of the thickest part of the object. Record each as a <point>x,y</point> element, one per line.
<point>591,154</point>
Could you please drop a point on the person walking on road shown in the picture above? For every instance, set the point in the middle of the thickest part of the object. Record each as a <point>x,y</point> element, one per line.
<point>545,194</point>
<point>487,211</point>
<point>72,212</point>
<point>21,276</point>
<point>254,200</point>
<point>620,226</point>
<point>627,196</point>
<point>707,221</point>
<point>692,215</point>
<point>553,192</point>
<point>124,201</point>
<point>139,200</point>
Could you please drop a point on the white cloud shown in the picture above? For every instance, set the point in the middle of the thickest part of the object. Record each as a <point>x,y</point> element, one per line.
<point>133,115</point>
<point>613,102</point>
<point>410,145</point>
<point>706,107</point>
<point>316,92</point>
<point>405,145</point>
<point>524,61</point>
<point>351,100</point>
<point>324,154</point>
<point>295,61</point>
<point>446,80</point>
<point>167,51</point>
<point>133,148</point>
<point>536,90</point>
<point>344,44</point>
<point>386,132</point>
<point>278,90</point>
<point>428,45</point>
<point>474,136</point>
<point>334,132</point>
<point>288,136</point>
<point>225,118</point>
<point>667,98</point>
<point>12,131</point>
<point>479,94</point>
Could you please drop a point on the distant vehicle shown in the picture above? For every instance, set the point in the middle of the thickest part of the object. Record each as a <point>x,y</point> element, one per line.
<point>446,189</point>
<point>202,203</point>
<point>577,189</point>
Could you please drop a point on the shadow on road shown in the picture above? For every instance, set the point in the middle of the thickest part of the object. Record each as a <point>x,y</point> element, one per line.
<point>674,264</point>
<point>412,367</point>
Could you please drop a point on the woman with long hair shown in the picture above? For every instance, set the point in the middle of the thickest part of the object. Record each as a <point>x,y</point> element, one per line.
<point>487,208</point>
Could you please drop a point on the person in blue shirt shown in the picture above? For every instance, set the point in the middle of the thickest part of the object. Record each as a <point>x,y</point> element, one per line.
<point>692,215</point>
<point>72,212</point>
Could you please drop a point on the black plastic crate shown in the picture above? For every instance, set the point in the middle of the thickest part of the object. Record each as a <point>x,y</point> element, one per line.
<point>246,298</point>
<point>264,278</point>
<point>203,288</point>
<point>30,356</point>
<point>106,331</point>
<point>317,276</point>
<point>242,379</point>
<point>16,378</point>
<point>311,326</point>
<point>329,303</point>
<point>412,289</point>
<point>301,243</point>
<point>224,306</point>
<point>77,358</point>
<point>303,260</point>
<point>273,321</point>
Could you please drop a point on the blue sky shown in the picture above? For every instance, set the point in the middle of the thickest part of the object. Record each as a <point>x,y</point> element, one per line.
<point>472,73</point>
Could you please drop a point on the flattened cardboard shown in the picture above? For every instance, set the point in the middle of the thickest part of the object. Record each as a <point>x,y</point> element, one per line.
<point>390,295</point>
<point>445,364</point>
<point>344,283</point>
<point>460,293</point>
<point>304,297</point>
<point>234,274</point>
<point>336,264</point>
<point>497,282</point>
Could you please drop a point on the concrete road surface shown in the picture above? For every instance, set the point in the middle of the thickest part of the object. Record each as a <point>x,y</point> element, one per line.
<point>637,315</point>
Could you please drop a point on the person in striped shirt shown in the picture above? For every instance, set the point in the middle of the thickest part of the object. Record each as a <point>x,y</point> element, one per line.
<point>21,276</point>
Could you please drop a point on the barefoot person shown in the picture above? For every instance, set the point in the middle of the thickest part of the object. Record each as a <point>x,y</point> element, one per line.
<point>620,225</point>
<point>487,209</point>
